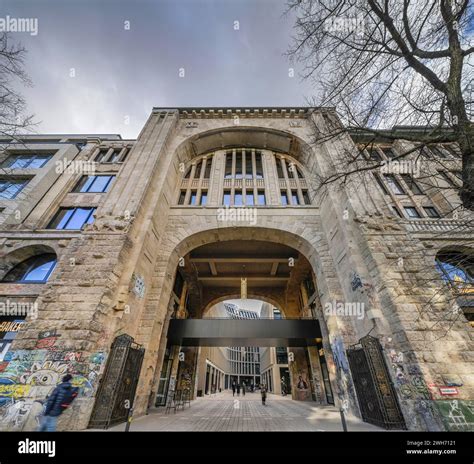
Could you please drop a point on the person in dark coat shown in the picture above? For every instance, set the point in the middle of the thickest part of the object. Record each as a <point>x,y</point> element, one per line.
<point>233,388</point>
<point>59,400</point>
<point>243,388</point>
<point>238,389</point>
<point>263,392</point>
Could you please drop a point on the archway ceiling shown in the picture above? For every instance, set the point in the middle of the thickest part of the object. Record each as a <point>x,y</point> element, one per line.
<point>243,137</point>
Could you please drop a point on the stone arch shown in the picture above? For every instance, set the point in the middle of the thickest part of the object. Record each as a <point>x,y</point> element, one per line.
<point>22,253</point>
<point>232,136</point>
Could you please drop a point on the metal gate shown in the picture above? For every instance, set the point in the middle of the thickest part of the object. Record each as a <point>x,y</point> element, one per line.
<point>377,398</point>
<point>117,388</point>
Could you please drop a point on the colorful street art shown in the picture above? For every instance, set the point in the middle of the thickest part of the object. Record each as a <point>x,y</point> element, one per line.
<point>27,377</point>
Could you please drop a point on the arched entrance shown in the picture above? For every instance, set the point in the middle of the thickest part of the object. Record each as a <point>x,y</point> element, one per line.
<point>275,272</point>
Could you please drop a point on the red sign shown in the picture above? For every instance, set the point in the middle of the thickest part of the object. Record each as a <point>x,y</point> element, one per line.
<point>448,391</point>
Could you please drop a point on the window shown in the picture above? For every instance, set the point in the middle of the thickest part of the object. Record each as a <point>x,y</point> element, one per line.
<point>238,199</point>
<point>248,165</point>
<point>207,172</point>
<point>115,156</point>
<point>238,165</point>
<point>30,161</point>
<point>412,184</point>
<point>94,184</point>
<point>197,172</point>
<point>412,212</point>
<point>228,165</point>
<point>182,196</point>
<point>389,152</point>
<point>203,198</point>
<point>431,211</point>
<point>393,184</point>
<point>9,327</point>
<point>374,154</point>
<point>193,198</point>
<point>227,198</point>
<point>294,198</point>
<point>284,198</point>
<point>36,269</point>
<point>279,169</point>
<point>261,197</point>
<point>72,218</point>
<point>306,198</point>
<point>396,211</point>
<point>457,270</point>
<point>10,188</point>
<point>381,184</point>
<point>249,199</point>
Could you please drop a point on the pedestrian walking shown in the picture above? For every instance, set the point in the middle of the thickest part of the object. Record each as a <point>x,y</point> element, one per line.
<point>233,388</point>
<point>238,389</point>
<point>263,392</point>
<point>243,388</point>
<point>56,403</point>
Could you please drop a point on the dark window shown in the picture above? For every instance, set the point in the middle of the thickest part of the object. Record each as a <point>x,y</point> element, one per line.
<point>72,218</point>
<point>115,156</point>
<point>101,155</point>
<point>394,185</point>
<point>207,172</point>
<point>94,184</point>
<point>431,211</point>
<point>294,198</point>
<point>182,196</point>
<point>374,154</point>
<point>33,161</point>
<point>284,198</point>
<point>197,172</point>
<point>412,184</point>
<point>381,184</point>
<point>389,152</point>
<point>258,165</point>
<point>238,165</point>
<point>10,188</point>
<point>228,165</point>
<point>248,165</point>
<point>261,197</point>
<point>396,211</point>
<point>412,212</point>
<point>306,198</point>
<point>35,269</point>
<point>279,168</point>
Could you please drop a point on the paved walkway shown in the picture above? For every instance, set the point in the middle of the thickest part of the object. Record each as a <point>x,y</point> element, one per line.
<point>222,412</point>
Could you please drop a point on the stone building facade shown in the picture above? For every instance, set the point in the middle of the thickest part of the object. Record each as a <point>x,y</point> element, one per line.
<point>127,251</point>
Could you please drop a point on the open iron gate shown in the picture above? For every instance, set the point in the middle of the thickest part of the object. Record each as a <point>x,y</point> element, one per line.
<point>377,398</point>
<point>117,388</point>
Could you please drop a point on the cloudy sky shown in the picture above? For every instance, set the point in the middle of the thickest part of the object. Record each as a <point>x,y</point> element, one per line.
<point>93,74</point>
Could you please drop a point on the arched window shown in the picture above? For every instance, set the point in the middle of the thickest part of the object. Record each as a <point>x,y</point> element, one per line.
<point>36,269</point>
<point>293,188</point>
<point>457,269</point>
<point>194,191</point>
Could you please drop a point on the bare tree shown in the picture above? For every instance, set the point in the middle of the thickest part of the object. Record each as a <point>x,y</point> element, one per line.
<point>13,118</point>
<point>393,63</point>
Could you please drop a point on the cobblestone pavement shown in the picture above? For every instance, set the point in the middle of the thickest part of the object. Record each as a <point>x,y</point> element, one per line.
<point>222,412</point>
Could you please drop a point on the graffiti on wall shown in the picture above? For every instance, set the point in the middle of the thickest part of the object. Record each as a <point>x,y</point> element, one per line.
<point>457,415</point>
<point>29,376</point>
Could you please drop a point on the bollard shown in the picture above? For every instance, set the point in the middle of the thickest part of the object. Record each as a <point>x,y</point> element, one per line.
<point>129,420</point>
<point>343,420</point>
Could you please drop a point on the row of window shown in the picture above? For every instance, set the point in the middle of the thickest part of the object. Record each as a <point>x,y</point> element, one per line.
<point>441,150</point>
<point>412,212</point>
<point>244,200</point>
<point>12,186</point>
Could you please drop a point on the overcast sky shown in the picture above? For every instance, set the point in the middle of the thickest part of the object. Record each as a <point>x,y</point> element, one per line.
<point>231,51</point>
